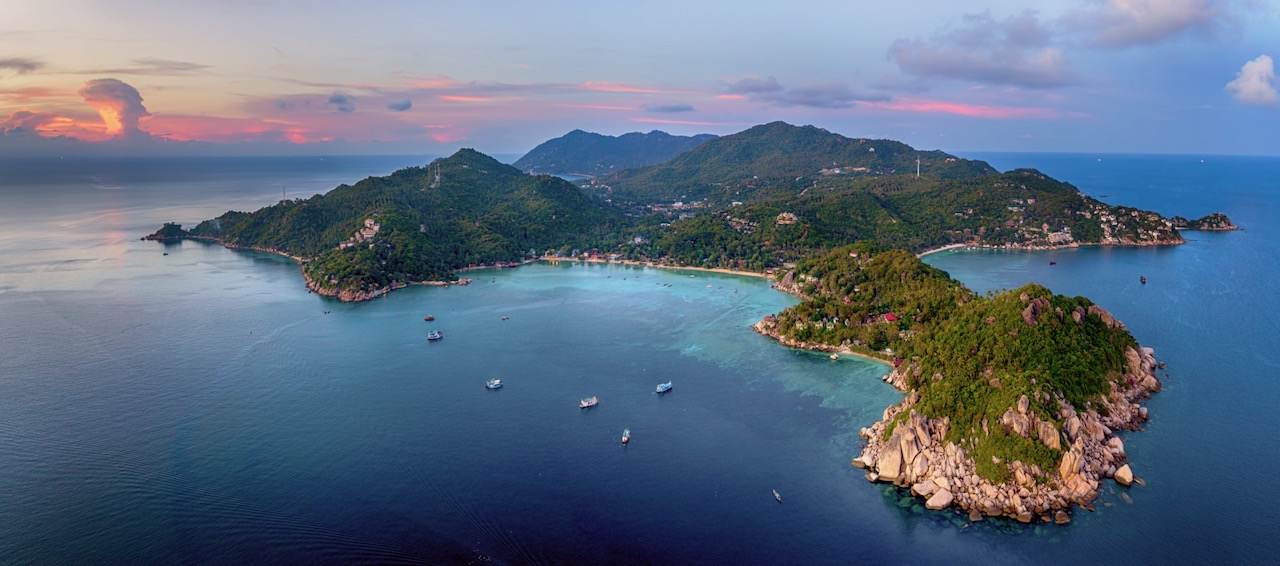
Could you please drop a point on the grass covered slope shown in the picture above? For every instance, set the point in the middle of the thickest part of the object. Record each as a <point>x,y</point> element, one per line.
<point>1011,398</point>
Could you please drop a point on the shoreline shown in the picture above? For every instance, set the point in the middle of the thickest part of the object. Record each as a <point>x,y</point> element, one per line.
<point>657,266</point>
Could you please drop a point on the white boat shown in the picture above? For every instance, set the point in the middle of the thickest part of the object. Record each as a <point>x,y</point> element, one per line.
<point>435,335</point>
<point>589,402</point>
<point>664,387</point>
<point>493,384</point>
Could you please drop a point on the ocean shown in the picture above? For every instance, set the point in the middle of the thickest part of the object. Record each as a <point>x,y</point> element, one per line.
<point>182,402</point>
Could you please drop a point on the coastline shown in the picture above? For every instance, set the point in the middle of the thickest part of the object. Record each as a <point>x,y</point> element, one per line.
<point>655,266</point>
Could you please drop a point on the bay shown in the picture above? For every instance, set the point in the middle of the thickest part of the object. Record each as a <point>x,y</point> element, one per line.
<point>202,407</point>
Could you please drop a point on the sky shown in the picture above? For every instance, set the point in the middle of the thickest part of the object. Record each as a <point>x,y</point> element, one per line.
<point>240,77</point>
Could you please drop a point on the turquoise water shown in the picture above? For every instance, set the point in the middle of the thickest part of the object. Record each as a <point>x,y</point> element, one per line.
<point>201,407</point>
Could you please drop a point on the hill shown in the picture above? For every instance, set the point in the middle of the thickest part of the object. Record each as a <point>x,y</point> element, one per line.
<point>592,155</point>
<point>737,166</point>
<point>1011,398</point>
<point>417,224</point>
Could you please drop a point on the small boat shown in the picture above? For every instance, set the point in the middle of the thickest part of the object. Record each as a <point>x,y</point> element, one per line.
<point>1051,262</point>
<point>493,384</point>
<point>1143,279</point>
<point>589,402</point>
<point>428,318</point>
<point>626,435</point>
<point>834,357</point>
<point>435,335</point>
<point>664,387</point>
<point>777,496</point>
<point>505,317</point>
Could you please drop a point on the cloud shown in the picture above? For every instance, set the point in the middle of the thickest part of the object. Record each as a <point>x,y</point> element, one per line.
<point>751,86</point>
<point>400,105</point>
<point>152,66</point>
<point>1013,51</point>
<point>669,108</point>
<point>769,90</point>
<point>1124,23</point>
<point>21,65</point>
<point>963,109</point>
<point>119,104</point>
<point>343,102</point>
<point>1255,83</point>
<point>28,120</point>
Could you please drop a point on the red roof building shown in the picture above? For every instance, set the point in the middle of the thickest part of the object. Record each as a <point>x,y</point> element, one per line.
<point>890,317</point>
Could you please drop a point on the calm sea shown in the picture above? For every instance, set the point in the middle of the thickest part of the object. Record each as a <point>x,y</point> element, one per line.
<point>184,403</point>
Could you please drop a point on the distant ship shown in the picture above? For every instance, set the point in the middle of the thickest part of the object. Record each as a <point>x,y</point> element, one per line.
<point>1143,279</point>
<point>589,402</point>
<point>493,384</point>
<point>777,496</point>
<point>428,318</point>
<point>1051,262</point>
<point>664,387</point>
<point>435,335</point>
<point>626,435</point>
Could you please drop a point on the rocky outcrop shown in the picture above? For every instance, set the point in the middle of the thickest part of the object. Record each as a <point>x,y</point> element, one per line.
<point>916,454</point>
<point>1216,222</point>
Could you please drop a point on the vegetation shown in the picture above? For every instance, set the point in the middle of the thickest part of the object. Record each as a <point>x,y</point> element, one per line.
<point>468,209</point>
<point>591,154</point>
<point>970,358</point>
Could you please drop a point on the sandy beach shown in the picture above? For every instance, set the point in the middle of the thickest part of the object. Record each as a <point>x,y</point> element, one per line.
<point>657,266</point>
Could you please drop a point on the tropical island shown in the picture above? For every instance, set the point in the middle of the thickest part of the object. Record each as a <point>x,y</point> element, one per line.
<point>1011,399</point>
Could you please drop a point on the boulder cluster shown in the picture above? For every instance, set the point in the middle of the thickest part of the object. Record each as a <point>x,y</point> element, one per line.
<point>917,454</point>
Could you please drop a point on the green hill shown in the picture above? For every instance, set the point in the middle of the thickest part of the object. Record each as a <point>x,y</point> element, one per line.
<point>736,166</point>
<point>468,209</point>
<point>592,155</point>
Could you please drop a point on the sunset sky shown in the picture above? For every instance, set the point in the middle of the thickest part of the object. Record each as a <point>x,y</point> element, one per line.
<point>285,77</point>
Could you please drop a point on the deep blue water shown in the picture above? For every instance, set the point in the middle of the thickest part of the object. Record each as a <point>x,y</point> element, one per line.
<point>200,407</point>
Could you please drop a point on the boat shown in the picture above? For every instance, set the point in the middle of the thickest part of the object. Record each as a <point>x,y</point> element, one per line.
<point>589,402</point>
<point>626,435</point>
<point>435,335</point>
<point>1143,279</point>
<point>505,317</point>
<point>428,318</point>
<point>493,384</point>
<point>1051,262</point>
<point>834,357</point>
<point>777,496</point>
<point>664,387</point>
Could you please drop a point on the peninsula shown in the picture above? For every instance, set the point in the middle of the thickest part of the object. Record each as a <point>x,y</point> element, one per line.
<point>1011,399</point>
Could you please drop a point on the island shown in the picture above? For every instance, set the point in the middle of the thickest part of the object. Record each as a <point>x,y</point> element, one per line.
<point>1011,400</point>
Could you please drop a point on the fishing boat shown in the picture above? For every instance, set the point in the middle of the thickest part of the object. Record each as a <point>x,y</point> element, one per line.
<point>1143,279</point>
<point>428,318</point>
<point>589,402</point>
<point>435,335</point>
<point>777,496</point>
<point>626,435</point>
<point>664,387</point>
<point>493,384</point>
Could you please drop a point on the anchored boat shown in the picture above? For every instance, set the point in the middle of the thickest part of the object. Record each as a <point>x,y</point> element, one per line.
<point>589,402</point>
<point>664,387</point>
<point>626,435</point>
<point>493,384</point>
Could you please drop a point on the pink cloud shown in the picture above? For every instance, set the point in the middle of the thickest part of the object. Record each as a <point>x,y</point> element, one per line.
<point>685,122</point>
<point>962,109</point>
<point>617,87</point>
